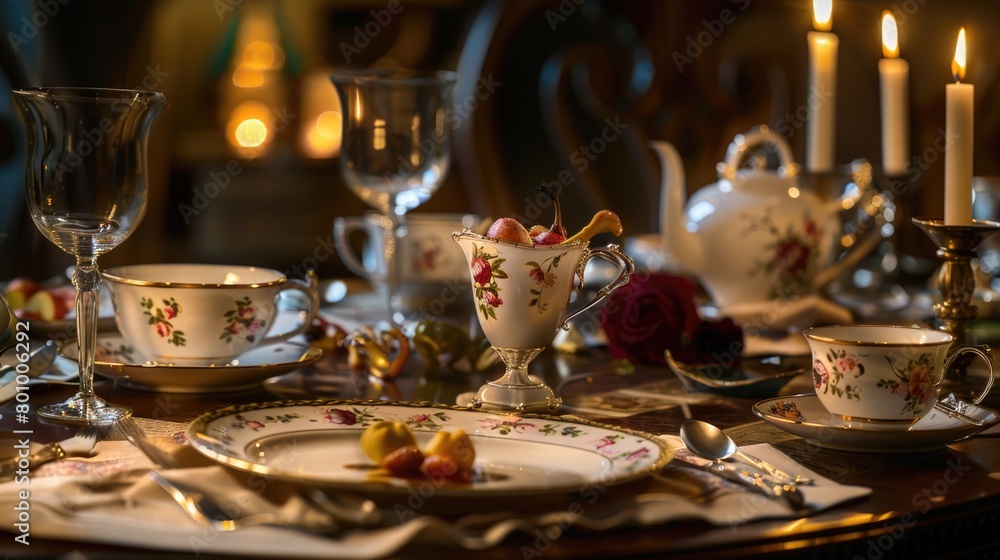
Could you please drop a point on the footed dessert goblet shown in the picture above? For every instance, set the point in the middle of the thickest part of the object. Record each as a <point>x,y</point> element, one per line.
<point>521,297</point>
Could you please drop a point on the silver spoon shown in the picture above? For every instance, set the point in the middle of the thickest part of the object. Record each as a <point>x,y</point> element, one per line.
<point>709,442</point>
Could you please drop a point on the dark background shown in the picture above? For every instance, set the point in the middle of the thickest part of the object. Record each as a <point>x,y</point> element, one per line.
<point>563,68</point>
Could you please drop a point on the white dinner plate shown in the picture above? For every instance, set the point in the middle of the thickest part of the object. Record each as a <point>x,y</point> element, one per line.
<point>317,443</point>
<point>805,416</point>
<point>115,358</point>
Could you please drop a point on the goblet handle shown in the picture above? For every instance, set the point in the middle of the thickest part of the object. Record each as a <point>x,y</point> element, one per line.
<point>309,287</point>
<point>625,270</point>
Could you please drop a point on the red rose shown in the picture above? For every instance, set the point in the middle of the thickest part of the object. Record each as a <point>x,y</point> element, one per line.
<point>337,416</point>
<point>162,329</point>
<point>481,271</point>
<point>537,274</point>
<point>169,312</point>
<point>793,257</point>
<point>649,315</point>
<point>492,299</point>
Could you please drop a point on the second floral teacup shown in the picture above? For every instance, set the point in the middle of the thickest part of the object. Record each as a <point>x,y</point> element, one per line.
<point>200,314</point>
<point>883,376</point>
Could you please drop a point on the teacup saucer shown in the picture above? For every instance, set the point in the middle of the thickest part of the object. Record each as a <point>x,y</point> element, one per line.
<point>805,416</point>
<point>117,360</point>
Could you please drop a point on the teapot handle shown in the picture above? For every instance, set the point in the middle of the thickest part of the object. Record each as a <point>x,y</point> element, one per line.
<point>743,144</point>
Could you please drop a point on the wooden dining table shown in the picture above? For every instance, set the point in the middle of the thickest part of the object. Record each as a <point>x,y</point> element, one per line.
<point>943,503</point>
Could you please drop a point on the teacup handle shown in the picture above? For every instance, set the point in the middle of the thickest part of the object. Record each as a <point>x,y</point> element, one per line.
<point>342,229</point>
<point>309,287</point>
<point>625,270</point>
<point>983,351</point>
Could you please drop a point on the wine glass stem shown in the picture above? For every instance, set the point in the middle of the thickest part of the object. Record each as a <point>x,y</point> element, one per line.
<point>86,279</point>
<point>394,263</point>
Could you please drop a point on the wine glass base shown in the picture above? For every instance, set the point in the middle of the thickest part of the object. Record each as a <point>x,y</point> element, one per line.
<point>84,410</point>
<point>520,398</point>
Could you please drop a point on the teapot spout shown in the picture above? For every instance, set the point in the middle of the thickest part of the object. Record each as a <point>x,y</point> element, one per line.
<point>679,245</point>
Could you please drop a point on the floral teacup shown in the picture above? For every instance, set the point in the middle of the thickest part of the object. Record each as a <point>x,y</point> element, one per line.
<point>200,314</point>
<point>884,376</point>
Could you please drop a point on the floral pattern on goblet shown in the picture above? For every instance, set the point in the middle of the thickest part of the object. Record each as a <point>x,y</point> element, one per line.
<point>242,322</point>
<point>913,382</point>
<point>161,316</point>
<point>486,270</point>
<point>543,279</point>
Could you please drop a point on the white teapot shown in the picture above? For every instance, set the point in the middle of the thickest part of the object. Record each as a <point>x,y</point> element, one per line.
<point>755,235</point>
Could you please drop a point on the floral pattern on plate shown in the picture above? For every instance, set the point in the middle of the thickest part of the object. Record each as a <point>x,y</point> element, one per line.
<point>326,434</point>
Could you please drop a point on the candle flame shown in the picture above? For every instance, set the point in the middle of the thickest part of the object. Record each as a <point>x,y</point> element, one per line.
<point>822,11</point>
<point>958,63</point>
<point>890,36</point>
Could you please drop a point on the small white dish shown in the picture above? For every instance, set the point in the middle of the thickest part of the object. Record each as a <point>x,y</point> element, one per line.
<point>805,416</point>
<point>117,359</point>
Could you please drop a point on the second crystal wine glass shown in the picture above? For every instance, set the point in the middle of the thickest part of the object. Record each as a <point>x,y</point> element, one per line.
<point>85,184</point>
<point>395,150</point>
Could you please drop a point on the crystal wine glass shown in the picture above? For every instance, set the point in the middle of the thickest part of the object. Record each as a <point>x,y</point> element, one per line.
<point>85,184</point>
<point>395,148</point>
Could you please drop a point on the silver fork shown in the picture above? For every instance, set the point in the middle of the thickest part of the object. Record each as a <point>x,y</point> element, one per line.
<point>137,437</point>
<point>208,513</point>
<point>80,444</point>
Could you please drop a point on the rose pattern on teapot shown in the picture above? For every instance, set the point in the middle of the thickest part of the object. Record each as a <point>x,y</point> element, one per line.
<point>792,254</point>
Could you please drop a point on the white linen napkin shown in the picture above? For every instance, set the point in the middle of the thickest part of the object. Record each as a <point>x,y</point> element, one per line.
<point>117,504</point>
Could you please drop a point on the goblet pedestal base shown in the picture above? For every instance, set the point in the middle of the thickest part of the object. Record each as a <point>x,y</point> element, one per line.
<point>82,409</point>
<point>516,390</point>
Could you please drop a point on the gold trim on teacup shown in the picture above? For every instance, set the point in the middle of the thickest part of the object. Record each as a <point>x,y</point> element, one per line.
<point>469,234</point>
<point>161,284</point>
<point>845,342</point>
<point>877,421</point>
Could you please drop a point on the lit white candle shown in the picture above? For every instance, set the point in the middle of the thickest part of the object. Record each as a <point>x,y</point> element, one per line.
<point>894,78</point>
<point>959,129</point>
<point>822,95</point>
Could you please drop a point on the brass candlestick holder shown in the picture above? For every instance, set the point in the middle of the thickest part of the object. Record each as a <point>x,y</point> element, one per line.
<point>956,280</point>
